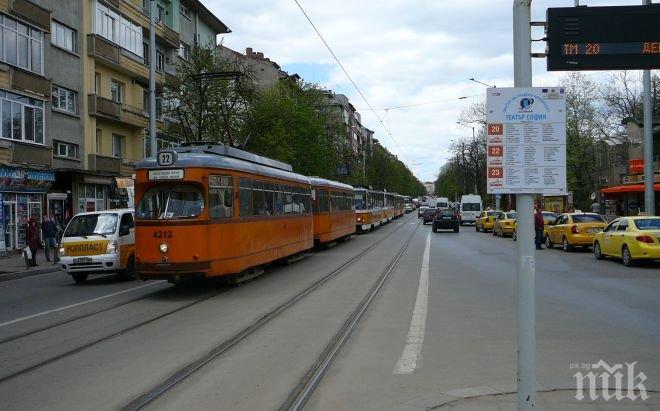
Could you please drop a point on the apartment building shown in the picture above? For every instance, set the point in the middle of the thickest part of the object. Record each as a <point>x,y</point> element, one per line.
<point>73,99</point>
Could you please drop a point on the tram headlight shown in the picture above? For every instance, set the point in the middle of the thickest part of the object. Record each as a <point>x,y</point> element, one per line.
<point>163,247</point>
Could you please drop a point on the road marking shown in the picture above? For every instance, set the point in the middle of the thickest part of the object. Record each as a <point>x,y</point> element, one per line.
<point>408,360</point>
<point>54,310</point>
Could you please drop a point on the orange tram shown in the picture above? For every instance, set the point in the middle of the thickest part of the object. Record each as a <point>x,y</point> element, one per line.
<point>216,211</point>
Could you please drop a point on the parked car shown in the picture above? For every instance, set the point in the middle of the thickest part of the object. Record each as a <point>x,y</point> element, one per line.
<point>574,229</point>
<point>408,208</point>
<point>470,208</point>
<point>428,215</point>
<point>505,223</point>
<point>629,238</point>
<point>486,220</point>
<point>421,210</point>
<point>445,219</point>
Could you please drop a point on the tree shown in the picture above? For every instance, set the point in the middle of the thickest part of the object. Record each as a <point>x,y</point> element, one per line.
<point>210,96</point>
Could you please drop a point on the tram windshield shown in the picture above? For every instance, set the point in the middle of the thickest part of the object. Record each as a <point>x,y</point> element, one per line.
<point>168,202</point>
<point>360,203</point>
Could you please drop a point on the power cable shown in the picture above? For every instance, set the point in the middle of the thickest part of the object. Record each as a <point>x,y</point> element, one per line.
<point>350,78</point>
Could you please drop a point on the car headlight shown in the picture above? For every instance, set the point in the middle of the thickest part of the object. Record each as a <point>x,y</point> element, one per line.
<point>163,247</point>
<point>111,248</point>
<point>62,251</point>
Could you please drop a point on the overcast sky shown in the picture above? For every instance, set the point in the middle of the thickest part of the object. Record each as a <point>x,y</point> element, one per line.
<point>399,53</point>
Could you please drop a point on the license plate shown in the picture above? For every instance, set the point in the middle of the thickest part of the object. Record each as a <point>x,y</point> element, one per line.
<point>82,260</point>
<point>593,230</point>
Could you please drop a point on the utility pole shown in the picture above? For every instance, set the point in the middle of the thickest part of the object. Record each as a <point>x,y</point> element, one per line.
<point>649,193</point>
<point>526,321</point>
<point>152,77</point>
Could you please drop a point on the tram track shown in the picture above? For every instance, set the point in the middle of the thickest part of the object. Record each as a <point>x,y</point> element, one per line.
<point>192,367</point>
<point>305,389</point>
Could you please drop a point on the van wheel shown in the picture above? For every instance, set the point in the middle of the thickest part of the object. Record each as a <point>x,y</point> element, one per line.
<point>79,278</point>
<point>129,273</point>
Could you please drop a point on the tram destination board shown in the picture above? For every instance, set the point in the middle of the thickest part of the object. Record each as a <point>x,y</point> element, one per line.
<point>604,38</point>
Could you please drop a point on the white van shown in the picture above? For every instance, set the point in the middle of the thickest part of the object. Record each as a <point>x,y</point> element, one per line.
<point>99,242</point>
<point>441,203</point>
<point>470,209</point>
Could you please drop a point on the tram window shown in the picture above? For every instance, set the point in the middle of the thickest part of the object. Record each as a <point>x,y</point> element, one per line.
<point>258,199</point>
<point>308,201</point>
<point>324,203</point>
<point>359,201</point>
<point>245,197</point>
<point>220,196</point>
<point>167,202</point>
<point>288,200</point>
<point>268,196</point>
<point>279,199</point>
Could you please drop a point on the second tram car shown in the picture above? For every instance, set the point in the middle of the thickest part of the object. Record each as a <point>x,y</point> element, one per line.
<point>213,210</point>
<point>369,209</point>
<point>334,210</point>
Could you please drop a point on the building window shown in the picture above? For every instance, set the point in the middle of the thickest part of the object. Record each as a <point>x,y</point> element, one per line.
<point>22,118</point>
<point>118,29</point>
<point>91,197</point>
<point>63,36</point>
<point>185,11</point>
<point>62,149</point>
<point>160,16</point>
<point>21,45</point>
<point>99,141</point>
<point>184,51</point>
<point>162,142</point>
<point>160,61</point>
<point>118,145</point>
<point>64,99</point>
<point>117,91</point>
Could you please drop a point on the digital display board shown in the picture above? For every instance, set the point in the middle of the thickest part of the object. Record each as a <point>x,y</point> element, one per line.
<point>603,38</point>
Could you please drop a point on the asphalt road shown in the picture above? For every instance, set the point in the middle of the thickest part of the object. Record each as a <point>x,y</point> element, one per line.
<point>104,344</point>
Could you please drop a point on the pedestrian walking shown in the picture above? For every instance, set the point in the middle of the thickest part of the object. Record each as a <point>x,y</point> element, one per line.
<point>539,225</point>
<point>33,240</point>
<point>49,232</point>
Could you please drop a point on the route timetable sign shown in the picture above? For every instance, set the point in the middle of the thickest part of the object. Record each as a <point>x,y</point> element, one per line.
<point>603,38</point>
<point>526,140</point>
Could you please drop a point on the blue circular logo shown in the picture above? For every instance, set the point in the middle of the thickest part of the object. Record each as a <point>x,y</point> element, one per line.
<point>526,102</point>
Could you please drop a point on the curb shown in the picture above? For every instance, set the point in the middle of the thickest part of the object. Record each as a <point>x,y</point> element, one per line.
<point>28,273</point>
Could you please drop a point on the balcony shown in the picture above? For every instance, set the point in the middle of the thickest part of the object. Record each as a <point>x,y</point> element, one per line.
<point>29,11</point>
<point>117,112</point>
<point>141,17</point>
<point>30,82</point>
<point>104,164</point>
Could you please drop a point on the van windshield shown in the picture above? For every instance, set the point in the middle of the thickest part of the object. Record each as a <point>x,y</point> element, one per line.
<point>471,207</point>
<point>166,202</point>
<point>92,224</point>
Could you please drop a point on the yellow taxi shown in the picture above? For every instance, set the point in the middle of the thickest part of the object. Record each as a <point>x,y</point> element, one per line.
<point>574,229</point>
<point>548,217</point>
<point>630,239</point>
<point>505,224</point>
<point>486,220</point>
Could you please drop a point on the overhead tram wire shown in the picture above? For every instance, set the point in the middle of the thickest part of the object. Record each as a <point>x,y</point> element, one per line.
<point>351,79</point>
<point>426,103</point>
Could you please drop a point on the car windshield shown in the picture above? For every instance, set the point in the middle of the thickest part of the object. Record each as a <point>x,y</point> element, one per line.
<point>648,223</point>
<point>471,207</point>
<point>445,213</point>
<point>587,218</point>
<point>511,216</point>
<point>549,216</point>
<point>92,224</point>
<point>442,204</point>
<point>169,202</point>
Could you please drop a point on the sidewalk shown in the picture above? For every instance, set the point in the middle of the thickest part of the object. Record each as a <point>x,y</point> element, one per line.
<point>13,266</point>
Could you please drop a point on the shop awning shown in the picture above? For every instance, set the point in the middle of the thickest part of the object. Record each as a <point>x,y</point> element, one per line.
<point>627,188</point>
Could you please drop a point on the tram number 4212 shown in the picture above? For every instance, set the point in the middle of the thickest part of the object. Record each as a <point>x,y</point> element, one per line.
<point>162,234</point>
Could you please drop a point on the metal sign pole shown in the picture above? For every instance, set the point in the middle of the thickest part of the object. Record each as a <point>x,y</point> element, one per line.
<point>649,193</point>
<point>526,336</point>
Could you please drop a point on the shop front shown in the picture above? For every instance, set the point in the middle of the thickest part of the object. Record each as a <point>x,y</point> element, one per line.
<point>22,196</point>
<point>627,199</point>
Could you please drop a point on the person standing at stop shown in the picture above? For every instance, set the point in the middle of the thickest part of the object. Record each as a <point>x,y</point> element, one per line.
<point>539,225</point>
<point>49,231</point>
<point>33,240</point>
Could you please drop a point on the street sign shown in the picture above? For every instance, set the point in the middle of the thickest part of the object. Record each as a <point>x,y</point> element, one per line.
<point>603,38</point>
<point>526,140</point>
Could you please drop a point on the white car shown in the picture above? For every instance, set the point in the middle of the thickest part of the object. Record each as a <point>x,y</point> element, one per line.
<point>408,208</point>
